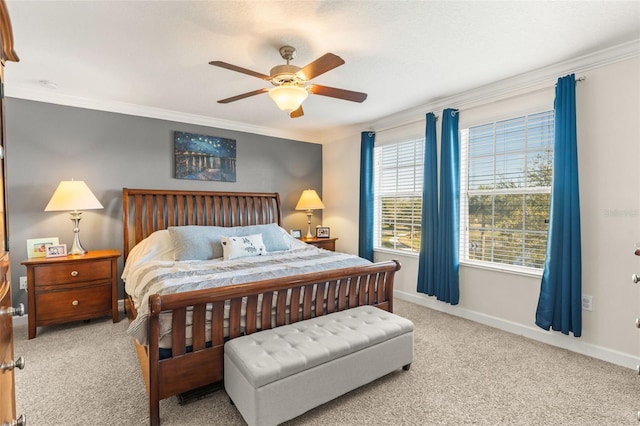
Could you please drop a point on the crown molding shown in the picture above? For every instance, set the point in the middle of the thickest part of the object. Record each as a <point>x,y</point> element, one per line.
<point>522,83</point>
<point>484,94</point>
<point>46,95</point>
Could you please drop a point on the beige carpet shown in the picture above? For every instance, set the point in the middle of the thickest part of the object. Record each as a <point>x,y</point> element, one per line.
<point>464,373</point>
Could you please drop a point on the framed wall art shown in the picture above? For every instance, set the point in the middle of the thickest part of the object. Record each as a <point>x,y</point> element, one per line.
<point>202,157</point>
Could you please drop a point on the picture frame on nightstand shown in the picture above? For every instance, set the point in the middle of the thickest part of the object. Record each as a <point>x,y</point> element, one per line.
<point>296,233</point>
<point>56,250</point>
<point>37,247</point>
<point>322,232</point>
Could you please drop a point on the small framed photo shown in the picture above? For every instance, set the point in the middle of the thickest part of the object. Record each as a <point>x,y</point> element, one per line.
<point>38,247</point>
<point>296,233</point>
<point>56,250</point>
<point>322,232</point>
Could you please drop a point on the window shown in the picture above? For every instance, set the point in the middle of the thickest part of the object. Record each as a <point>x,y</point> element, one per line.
<point>398,195</point>
<point>506,190</point>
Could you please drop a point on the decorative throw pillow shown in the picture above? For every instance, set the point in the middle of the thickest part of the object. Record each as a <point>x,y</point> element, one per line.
<point>245,246</point>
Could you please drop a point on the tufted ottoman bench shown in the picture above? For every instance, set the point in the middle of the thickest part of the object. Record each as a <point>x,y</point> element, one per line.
<point>275,375</point>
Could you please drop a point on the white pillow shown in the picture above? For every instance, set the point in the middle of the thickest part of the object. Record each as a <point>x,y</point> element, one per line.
<point>245,246</point>
<point>291,242</point>
<point>157,246</point>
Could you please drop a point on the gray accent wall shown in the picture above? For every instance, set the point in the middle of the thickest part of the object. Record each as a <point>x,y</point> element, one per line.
<point>47,143</point>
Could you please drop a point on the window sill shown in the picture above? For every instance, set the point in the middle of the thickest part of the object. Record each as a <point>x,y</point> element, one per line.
<point>516,270</point>
<point>396,252</point>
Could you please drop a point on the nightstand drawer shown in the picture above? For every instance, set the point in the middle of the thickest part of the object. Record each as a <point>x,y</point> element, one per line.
<point>73,272</point>
<point>323,243</point>
<point>81,303</point>
<point>327,245</point>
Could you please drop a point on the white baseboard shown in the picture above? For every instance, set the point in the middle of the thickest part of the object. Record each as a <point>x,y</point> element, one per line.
<point>534,333</point>
<point>23,320</point>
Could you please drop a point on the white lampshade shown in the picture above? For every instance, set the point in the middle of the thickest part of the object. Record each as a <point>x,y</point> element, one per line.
<point>309,200</point>
<point>72,195</point>
<point>288,97</point>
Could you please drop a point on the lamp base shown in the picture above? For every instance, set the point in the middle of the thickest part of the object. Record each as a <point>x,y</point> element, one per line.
<point>76,248</point>
<point>309,234</point>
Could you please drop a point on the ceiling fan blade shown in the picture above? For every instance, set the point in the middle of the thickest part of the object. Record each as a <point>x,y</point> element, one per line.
<point>321,65</point>
<point>297,113</point>
<point>332,92</point>
<point>240,69</point>
<point>244,95</point>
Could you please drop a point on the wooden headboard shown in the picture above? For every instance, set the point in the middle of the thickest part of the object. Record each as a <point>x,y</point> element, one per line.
<point>148,210</point>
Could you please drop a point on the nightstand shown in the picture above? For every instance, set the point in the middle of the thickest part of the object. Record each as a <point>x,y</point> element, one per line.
<point>71,288</point>
<point>324,243</point>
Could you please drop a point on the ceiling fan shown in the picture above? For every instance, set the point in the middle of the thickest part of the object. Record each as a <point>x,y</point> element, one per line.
<point>289,81</point>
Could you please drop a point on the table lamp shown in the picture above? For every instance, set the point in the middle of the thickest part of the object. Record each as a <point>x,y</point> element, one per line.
<point>73,195</point>
<point>309,201</point>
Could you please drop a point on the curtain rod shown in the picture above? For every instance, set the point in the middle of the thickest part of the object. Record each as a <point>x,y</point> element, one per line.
<point>461,106</point>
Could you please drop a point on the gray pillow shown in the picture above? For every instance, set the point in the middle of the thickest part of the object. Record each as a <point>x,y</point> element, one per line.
<point>197,242</point>
<point>203,242</point>
<point>272,235</point>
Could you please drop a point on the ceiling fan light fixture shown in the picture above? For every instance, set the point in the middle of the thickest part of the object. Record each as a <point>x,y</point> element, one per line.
<point>288,97</point>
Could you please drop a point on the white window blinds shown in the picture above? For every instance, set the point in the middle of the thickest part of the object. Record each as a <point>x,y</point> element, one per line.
<point>506,189</point>
<point>398,195</point>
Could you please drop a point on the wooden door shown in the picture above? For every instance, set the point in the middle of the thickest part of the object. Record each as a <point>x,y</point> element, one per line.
<point>7,383</point>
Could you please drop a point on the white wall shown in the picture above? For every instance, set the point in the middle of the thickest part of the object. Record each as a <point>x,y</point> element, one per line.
<point>608,107</point>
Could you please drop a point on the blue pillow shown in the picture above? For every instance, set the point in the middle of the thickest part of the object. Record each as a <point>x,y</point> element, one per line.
<point>197,242</point>
<point>272,235</point>
<point>203,242</point>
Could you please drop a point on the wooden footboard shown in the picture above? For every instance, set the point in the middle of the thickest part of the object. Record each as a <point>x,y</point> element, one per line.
<point>252,307</point>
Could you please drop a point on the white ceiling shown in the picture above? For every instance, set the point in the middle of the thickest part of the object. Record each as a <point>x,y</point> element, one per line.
<point>151,57</point>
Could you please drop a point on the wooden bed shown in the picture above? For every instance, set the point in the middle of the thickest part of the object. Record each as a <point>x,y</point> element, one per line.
<point>146,211</point>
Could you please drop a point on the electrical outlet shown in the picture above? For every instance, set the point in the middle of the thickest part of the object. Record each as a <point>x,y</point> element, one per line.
<point>587,302</point>
<point>23,283</point>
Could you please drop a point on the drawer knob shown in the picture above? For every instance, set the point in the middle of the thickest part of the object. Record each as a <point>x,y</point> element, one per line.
<point>638,322</point>
<point>19,364</point>
<point>75,303</point>
<point>74,273</point>
<point>635,278</point>
<point>21,421</point>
